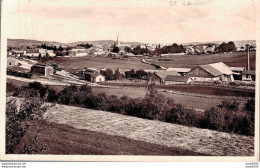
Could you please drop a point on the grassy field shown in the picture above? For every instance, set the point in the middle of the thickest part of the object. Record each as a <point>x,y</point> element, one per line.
<point>203,141</point>
<point>197,89</point>
<point>70,63</point>
<point>139,92</point>
<point>66,140</point>
<point>190,101</point>
<point>191,61</point>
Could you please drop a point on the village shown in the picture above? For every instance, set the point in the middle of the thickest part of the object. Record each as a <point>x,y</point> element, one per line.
<point>39,64</point>
<point>89,80</point>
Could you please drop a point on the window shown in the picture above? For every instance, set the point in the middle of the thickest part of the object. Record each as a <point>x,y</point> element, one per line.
<point>10,63</point>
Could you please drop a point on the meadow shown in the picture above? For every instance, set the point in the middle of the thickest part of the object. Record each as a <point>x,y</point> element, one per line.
<point>236,59</point>
<point>72,63</point>
<point>187,100</point>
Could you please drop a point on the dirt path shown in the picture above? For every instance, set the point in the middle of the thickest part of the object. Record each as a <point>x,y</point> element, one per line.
<point>156,132</point>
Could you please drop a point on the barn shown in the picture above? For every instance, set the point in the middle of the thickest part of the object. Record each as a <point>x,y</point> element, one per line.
<point>42,69</point>
<point>155,79</point>
<point>212,72</point>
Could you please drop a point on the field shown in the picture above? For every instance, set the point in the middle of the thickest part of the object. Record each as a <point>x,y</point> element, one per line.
<point>192,101</point>
<point>154,132</point>
<point>238,59</point>
<point>66,140</point>
<point>188,100</point>
<point>70,63</point>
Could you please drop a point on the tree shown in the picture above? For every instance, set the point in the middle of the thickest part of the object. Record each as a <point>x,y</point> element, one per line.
<point>128,49</point>
<point>115,49</point>
<point>141,74</point>
<point>117,74</point>
<point>60,48</point>
<point>18,123</point>
<point>109,74</point>
<point>231,46</point>
<point>137,50</point>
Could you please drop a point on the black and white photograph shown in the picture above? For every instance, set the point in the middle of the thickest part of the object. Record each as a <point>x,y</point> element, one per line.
<point>128,80</point>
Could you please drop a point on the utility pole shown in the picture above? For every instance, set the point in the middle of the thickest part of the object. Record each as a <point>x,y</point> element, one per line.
<point>248,64</point>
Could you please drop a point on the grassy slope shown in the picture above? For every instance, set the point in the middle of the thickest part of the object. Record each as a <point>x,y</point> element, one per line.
<point>63,139</point>
<point>68,63</point>
<point>231,59</point>
<point>155,132</point>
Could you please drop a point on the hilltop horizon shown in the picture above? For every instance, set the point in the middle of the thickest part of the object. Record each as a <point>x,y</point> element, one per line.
<point>15,42</point>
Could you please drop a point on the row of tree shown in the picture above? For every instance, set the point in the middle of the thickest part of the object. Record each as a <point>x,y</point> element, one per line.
<point>226,47</point>
<point>138,50</point>
<point>138,74</point>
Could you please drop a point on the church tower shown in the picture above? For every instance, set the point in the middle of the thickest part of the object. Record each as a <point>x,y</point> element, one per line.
<point>118,42</point>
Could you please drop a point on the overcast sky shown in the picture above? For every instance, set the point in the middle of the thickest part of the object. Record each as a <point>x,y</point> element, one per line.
<point>150,21</point>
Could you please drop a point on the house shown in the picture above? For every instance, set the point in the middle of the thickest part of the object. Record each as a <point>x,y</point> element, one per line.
<point>210,49</point>
<point>78,49</point>
<point>42,69</point>
<point>51,53</point>
<point>32,52</point>
<point>181,71</point>
<point>11,61</point>
<point>248,75</point>
<point>237,72</point>
<point>94,77</point>
<point>91,70</point>
<point>212,72</point>
<point>171,80</point>
<point>79,53</point>
<point>43,52</point>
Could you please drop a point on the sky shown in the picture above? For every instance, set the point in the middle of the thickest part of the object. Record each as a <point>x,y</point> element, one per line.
<point>148,21</point>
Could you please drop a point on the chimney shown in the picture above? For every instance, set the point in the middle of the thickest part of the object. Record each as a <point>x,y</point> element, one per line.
<point>248,65</point>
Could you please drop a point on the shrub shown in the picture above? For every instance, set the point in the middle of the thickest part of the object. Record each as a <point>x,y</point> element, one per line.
<point>35,85</point>
<point>250,106</point>
<point>228,105</point>
<point>215,117</point>
<point>17,122</point>
<point>12,90</point>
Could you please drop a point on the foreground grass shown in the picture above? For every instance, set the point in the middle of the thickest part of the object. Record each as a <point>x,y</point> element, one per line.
<point>203,141</point>
<point>63,139</point>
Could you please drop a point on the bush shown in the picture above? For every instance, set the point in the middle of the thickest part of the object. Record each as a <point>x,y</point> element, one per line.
<point>228,105</point>
<point>17,123</point>
<point>250,106</point>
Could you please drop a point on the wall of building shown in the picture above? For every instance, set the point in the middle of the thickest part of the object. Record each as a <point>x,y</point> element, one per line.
<point>38,70</point>
<point>199,72</point>
<point>100,78</point>
<point>49,71</point>
<point>154,79</point>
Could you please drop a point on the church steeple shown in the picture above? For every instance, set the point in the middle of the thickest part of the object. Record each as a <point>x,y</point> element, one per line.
<point>118,42</point>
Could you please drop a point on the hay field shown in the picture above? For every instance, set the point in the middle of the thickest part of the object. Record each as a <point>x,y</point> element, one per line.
<point>191,61</point>
<point>155,132</point>
<point>70,63</point>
